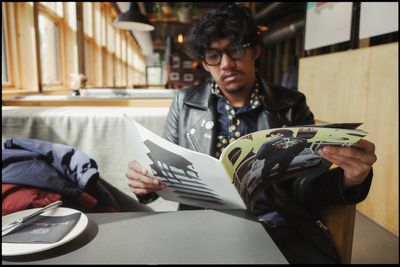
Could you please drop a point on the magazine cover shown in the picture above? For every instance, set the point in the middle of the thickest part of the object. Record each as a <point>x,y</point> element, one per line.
<point>245,168</point>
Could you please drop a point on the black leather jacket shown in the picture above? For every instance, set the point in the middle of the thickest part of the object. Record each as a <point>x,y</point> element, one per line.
<point>193,107</point>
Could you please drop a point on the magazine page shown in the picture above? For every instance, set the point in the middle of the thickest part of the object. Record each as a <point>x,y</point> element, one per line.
<point>191,178</point>
<point>263,158</point>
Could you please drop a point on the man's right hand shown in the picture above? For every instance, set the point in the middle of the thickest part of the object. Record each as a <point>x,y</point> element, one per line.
<point>139,182</point>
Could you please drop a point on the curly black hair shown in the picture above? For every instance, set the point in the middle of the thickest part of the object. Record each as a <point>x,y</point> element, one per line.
<point>231,21</point>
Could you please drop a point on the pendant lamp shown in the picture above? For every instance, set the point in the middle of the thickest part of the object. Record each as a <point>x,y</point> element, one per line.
<point>133,19</point>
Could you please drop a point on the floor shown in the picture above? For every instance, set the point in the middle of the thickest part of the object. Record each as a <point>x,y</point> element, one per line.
<point>372,244</point>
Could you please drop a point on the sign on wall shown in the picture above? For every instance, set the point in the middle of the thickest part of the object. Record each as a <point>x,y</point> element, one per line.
<point>378,18</point>
<point>327,23</point>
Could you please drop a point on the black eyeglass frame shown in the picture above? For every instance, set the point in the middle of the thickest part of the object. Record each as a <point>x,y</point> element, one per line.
<point>225,50</point>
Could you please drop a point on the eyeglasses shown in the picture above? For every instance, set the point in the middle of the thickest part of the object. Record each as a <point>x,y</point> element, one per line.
<point>235,52</point>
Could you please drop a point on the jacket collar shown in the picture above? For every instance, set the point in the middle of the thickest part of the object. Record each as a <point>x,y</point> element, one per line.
<point>202,97</point>
<point>272,100</point>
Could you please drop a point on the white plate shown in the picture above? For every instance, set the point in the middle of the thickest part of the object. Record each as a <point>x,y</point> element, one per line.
<point>12,249</point>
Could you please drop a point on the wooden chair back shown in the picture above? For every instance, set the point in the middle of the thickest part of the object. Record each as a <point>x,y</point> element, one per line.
<point>340,219</point>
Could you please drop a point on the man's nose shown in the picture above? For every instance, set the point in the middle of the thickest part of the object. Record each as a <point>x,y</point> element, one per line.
<point>226,61</point>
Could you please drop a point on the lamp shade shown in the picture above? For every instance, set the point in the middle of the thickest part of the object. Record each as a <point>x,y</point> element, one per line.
<point>133,19</point>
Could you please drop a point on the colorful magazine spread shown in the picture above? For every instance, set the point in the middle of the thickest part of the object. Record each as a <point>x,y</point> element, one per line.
<point>245,168</point>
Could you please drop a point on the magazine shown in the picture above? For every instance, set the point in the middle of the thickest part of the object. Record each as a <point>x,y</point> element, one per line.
<point>245,168</point>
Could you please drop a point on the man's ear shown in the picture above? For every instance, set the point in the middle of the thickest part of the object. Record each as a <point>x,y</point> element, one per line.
<point>205,66</point>
<point>257,51</point>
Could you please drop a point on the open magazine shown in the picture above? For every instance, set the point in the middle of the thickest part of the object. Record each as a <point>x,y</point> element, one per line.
<point>245,168</point>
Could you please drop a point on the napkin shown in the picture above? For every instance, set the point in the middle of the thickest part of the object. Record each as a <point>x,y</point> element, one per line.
<point>42,229</point>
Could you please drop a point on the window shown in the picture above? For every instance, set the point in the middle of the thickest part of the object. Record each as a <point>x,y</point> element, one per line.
<point>44,42</point>
<point>49,51</point>
<point>89,40</point>
<point>50,18</point>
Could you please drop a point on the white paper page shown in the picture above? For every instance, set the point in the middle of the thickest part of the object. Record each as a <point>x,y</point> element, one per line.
<point>192,178</point>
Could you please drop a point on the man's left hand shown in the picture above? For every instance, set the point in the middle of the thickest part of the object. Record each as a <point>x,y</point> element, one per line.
<point>356,161</point>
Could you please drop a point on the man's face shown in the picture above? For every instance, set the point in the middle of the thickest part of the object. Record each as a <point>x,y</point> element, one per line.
<point>274,136</point>
<point>233,76</point>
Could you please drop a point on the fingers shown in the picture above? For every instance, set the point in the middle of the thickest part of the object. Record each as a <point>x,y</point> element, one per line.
<point>356,161</point>
<point>139,182</point>
<point>363,151</point>
<point>140,188</point>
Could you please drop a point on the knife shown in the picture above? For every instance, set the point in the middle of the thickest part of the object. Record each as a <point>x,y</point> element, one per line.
<point>23,219</point>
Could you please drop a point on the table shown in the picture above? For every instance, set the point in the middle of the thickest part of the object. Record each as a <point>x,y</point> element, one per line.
<point>177,237</point>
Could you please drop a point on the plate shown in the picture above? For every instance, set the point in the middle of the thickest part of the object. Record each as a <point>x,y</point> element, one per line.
<point>13,249</point>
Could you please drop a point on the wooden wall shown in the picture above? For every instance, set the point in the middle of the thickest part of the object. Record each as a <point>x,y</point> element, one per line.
<point>363,86</point>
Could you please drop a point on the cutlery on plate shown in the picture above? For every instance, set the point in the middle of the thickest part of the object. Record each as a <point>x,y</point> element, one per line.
<point>23,219</point>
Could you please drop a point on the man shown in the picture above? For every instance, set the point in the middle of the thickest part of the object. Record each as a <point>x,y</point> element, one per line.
<point>281,150</point>
<point>207,117</point>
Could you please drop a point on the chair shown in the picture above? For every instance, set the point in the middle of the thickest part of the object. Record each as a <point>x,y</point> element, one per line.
<point>340,219</point>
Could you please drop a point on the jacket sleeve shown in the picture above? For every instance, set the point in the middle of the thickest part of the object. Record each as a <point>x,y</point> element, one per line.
<point>264,151</point>
<point>295,110</point>
<point>172,122</point>
<point>314,191</point>
<point>300,113</point>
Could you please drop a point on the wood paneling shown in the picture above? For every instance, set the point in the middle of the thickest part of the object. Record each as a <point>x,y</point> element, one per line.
<point>362,86</point>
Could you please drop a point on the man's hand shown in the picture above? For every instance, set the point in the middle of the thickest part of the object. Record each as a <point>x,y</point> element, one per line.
<point>139,182</point>
<point>356,161</point>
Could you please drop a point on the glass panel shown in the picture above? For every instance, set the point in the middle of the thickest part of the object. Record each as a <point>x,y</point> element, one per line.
<point>4,65</point>
<point>87,58</point>
<point>88,19</point>
<point>48,51</point>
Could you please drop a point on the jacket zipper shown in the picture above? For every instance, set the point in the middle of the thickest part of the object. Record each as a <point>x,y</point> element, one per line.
<point>324,228</point>
<point>326,231</point>
<point>192,142</point>
<point>321,225</point>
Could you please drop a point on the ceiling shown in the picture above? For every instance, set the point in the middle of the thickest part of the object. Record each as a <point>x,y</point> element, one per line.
<point>278,17</point>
